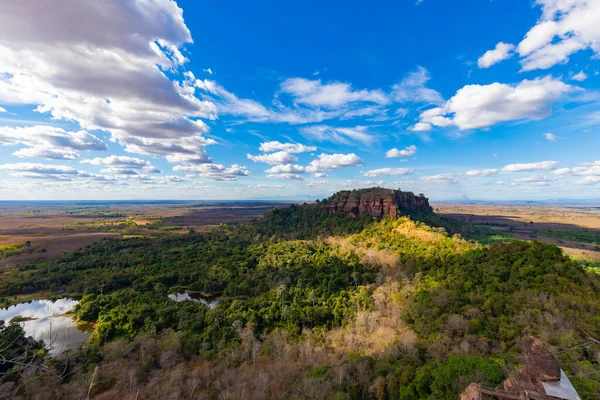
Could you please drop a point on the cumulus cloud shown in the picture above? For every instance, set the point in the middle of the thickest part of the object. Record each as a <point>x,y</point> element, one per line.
<point>49,142</point>
<point>580,76</point>
<point>388,172</point>
<point>123,165</point>
<point>354,135</point>
<point>286,176</point>
<point>324,162</point>
<point>61,173</point>
<point>482,172</point>
<point>551,138</point>
<point>481,106</point>
<point>268,147</point>
<point>566,27</point>
<point>421,127</point>
<point>334,161</point>
<point>502,51</point>
<point>331,95</point>
<point>589,180</point>
<point>412,89</point>
<point>215,172</point>
<point>72,67</point>
<point>287,169</point>
<point>440,178</point>
<point>585,169</point>
<point>263,186</point>
<point>538,179</point>
<point>40,169</point>
<point>406,152</point>
<point>280,157</point>
<point>538,166</point>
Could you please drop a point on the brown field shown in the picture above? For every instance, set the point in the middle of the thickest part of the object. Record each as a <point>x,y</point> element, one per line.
<point>53,229</point>
<point>551,223</point>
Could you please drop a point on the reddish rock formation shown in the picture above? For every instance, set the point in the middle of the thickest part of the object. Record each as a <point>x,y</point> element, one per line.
<point>376,202</point>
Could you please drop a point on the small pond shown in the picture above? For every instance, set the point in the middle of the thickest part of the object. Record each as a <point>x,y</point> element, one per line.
<point>46,321</point>
<point>196,297</point>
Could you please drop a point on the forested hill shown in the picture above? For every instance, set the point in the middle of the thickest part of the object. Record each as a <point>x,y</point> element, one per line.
<point>363,307</point>
<point>349,211</point>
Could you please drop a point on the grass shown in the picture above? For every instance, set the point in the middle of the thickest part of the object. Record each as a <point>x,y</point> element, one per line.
<point>590,265</point>
<point>488,235</point>
<point>577,235</point>
<point>12,249</point>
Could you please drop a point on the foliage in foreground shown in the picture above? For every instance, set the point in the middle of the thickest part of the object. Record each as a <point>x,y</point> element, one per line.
<point>391,309</point>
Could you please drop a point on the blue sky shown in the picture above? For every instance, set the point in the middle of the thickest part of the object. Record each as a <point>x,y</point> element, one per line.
<point>156,99</point>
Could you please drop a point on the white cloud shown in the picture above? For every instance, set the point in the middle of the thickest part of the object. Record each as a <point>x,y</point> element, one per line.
<point>289,177</point>
<point>189,150</point>
<point>331,95</point>
<point>208,71</point>
<point>251,110</point>
<point>539,166</point>
<point>353,135</point>
<point>74,68</point>
<point>502,51</point>
<point>481,106</point>
<point>334,161</point>
<point>268,147</point>
<point>585,169</point>
<point>60,173</point>
<point>388,172</point>
<point>562,171</point>
<point>589,180</point>
<point>263,186</point>
<point>440,178</point>
<point>421,127</point>
<point>2,110</point>
<point>286,169</point>
<point>49,142</point>
<point>215,172</point>
<point>482,172</point>
<point>123,165</point>
<point>551,138</point>
<point>536,178</point>
<point>412,89</point>
<point>40,169</point>
<point>566,27</point>
<point>280,157</point>
<point>49,154</point>
<point>580,76</point>
<point>407,152</point>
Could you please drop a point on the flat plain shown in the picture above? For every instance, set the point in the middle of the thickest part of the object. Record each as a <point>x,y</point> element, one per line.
<point>573,227</point>
<point>31,231</point>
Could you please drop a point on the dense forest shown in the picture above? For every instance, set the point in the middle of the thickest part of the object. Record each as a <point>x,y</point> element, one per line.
<point>313,304</point>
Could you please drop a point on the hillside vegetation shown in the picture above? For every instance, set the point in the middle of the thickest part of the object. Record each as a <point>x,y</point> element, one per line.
<point>315,303</point>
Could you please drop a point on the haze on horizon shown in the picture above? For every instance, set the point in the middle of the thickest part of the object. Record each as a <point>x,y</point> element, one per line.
<point>162,99</point>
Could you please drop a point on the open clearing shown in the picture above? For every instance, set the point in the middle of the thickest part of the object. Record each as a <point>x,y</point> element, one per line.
<point>574,228</point>
<point>49,229</point>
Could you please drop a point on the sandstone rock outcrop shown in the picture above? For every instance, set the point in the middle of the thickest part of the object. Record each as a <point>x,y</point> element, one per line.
<point>376,202</point>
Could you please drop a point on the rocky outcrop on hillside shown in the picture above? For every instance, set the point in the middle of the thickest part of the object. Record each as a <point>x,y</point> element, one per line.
<point>376,202</point>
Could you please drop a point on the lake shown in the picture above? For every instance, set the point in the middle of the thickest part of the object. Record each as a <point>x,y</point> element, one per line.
<point>49,323</point>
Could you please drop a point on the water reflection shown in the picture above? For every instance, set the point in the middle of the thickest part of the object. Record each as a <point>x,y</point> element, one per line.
<point>48,323</point>
<point>194,297</point>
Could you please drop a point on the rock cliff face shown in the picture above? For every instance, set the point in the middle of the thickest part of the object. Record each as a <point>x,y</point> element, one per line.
<point>376,202</point>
